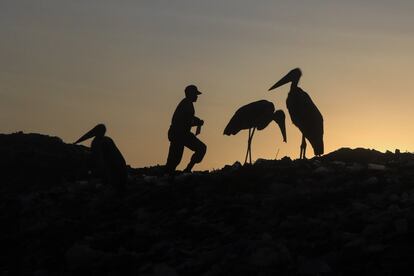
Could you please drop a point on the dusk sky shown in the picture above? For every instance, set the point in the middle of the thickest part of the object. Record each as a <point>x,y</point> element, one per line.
<point>67,65</point>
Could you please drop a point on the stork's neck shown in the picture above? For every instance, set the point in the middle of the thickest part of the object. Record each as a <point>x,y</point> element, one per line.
<point>294,86</point>
<point>97,140</point>
<point>294,83</point>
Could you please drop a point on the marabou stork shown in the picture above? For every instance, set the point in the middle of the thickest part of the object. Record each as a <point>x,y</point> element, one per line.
<point>255,115</point>
<point>107,160</point>
<point>304,113</point>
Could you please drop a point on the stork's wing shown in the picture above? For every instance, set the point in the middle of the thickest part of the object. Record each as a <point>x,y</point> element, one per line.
<point>307,117</point>
<point>255,114</point>
<point>112,155</point>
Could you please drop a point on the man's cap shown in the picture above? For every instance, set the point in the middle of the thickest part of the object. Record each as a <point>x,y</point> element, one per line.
<point>192,90</point>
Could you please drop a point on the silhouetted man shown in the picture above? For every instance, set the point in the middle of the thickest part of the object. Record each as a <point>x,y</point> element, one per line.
<point>180,134</point>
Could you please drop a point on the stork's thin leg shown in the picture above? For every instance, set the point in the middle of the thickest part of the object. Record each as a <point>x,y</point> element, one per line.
<point>248,147</point>
<point>303,148</point>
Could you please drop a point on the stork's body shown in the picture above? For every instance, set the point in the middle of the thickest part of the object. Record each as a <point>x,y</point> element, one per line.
<point>107,161</point>
<point>304,113</point>
<point>256,115</point>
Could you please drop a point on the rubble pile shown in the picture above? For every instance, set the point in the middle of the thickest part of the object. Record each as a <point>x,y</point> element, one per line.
<point>29,160</point>
<point>284,217</point>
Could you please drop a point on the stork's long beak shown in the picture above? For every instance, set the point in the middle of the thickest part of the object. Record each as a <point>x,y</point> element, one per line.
<point>280,121</point>
<point>98,130</point>
<point>293,76</point>
<point>282,127</point>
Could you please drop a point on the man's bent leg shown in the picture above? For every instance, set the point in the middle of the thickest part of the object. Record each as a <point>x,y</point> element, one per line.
<point>175,153</point>
<point>199,148</point>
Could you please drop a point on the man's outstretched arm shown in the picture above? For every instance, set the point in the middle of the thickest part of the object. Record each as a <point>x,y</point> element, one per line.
<point>197,121</point>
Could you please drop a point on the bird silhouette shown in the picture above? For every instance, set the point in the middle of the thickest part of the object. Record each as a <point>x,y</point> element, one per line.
<point>107,160</point>
<point>255,115</point>
<point>304,113</point>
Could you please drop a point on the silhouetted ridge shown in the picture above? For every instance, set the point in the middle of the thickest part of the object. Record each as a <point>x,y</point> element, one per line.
<point>276,217</point>
<point>362,155</point>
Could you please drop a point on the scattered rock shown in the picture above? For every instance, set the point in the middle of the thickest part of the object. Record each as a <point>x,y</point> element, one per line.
<point>376,167</point>
<point>361,207</point>
<point>321,171</point>
<point>394,198</point>
<point>401,226</point>
<point>355,168</point>
<point>304,217</point>
<point>164,270</point>
<point>339,163</point>
<point>313,267</point>
<point>374,248</point>
<point>373,180</point>
<point>81,255</point>
<point>264,257</point>
<point>279,188</point>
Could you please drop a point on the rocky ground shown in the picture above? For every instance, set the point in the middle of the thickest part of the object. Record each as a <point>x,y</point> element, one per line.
<point>348,213</point>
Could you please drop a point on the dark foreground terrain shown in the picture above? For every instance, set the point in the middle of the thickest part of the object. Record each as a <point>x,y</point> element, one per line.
<point>348,213</point>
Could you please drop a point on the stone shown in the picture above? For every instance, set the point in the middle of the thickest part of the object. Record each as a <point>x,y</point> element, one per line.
<point>374,248</point>
<point>215,270</point>
<point>346,236</point>
<point>373,180</point>
<point>340,164</point>
<point>313,266</point>
<point>405,197</point>
<point>164,270</point>
<point>373,230</point>
<point>394,209</point>
<point>182,212</point>
<point>80,255</point>
<point>321,170</point>
<point>376,167</point>
<point>247,198</point>
<point>355,243</point>
<point>358,206</point>
<point>182,177</point>
<point>260,162</point>
<point>401,226</point>
<point>150,178</point>
<point>266,237</point>
<point>394,198</point>
<point>264,257</point>
<point>355,168</point>
<point>236,166</point>
<point>279,188</point>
